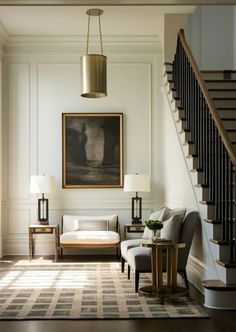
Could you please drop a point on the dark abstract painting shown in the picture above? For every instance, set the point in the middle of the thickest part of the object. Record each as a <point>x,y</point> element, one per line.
<point>92,150</point>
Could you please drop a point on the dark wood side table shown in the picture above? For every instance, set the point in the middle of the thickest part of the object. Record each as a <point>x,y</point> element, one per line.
<point>159,288</point>
<point>133,228</point>
<point>43,229</point>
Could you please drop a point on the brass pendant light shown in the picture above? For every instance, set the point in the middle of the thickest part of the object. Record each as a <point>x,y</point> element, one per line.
<point>94,66</point>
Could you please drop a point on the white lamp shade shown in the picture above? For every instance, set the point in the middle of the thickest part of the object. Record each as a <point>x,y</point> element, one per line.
<point>41,184</point>
<point>136,182</point>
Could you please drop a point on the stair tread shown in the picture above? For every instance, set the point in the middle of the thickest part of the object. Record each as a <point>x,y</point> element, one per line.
<point>221,80</point>
<point>220,242</point>
<point>198,169</point>
<point>184,131</point>
<point>224,98</point>
<point>231,130</point>
<point>207,202</point>
<point>191,155</point>
<point>217,71</point>
<point>201,185</point>
<point>226,264</point>
<point>228,119</point>
<point>221,89</point>
<point>188,142</point>
<point>226,108</point>
<point>218,285</point>
<point>213,221</point>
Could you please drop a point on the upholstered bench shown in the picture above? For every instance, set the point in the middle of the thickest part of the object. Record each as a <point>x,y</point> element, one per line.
<point>89,232</point>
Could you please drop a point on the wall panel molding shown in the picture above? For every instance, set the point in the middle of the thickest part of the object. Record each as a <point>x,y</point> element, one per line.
<point>53,87</point>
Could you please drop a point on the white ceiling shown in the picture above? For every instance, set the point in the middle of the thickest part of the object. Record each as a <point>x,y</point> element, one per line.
<point>72,20</point>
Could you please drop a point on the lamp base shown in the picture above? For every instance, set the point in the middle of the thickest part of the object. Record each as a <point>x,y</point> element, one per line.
<point>42,222</point>
<point>136,221</point>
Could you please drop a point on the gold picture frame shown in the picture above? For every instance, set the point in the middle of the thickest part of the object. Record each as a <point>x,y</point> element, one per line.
<point>92,150</point>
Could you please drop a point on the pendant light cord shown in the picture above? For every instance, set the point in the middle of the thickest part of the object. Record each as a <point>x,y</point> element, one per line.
<point>100,33</point>
<point>88,34</point>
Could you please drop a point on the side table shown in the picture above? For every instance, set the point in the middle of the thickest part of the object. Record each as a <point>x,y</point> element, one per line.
<point>159,288</point>
<point>133,228</point>
<point>43,229</point>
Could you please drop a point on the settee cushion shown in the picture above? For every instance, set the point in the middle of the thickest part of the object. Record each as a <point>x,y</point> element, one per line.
<point>90,237</point>
<point>71,223</point>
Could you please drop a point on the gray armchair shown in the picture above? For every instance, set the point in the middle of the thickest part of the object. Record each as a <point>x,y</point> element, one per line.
<point>139,258</point>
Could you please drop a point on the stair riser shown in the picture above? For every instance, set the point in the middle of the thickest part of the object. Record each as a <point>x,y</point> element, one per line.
<point>232,136</point>
<point>229,124</point>
<point>211,213</point>
<point>191,149</point>
<point>227,113</point>
<point>222,94</point>
<point>227,275</point>
<point>224,103</point>
<point>167,67</point>
<point>219,251</point>
<point>213,231</point>
<point>221,85</point>
<point>217,76</point>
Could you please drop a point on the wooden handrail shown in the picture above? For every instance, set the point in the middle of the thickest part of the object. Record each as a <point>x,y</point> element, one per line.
<point>222,132</point>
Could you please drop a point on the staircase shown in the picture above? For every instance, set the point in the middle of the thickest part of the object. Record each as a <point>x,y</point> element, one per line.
<point>204,108</point>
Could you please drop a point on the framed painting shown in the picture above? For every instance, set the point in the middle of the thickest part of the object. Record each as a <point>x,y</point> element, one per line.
<point>92,150</point>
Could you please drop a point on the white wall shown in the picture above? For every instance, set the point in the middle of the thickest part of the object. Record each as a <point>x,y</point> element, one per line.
<point>172,24</point>
<point>42,80</point>
<point>210,33</point>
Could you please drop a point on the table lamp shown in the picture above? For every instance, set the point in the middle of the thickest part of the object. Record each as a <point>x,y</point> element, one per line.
<point>42,184</point>
<point>136,183</point>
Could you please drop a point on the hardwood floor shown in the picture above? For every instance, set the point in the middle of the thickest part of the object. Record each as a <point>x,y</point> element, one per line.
<point>219,320</point>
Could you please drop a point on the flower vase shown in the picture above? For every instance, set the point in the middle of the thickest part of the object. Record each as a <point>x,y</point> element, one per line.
<point>154,235</point>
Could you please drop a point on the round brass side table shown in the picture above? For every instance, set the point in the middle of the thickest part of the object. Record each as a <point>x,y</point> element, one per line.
<point>169,250</point>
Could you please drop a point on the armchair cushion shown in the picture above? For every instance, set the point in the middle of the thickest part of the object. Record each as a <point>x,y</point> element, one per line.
<point>139,258</point>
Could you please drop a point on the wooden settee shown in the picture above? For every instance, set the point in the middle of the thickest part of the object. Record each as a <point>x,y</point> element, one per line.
<point>90,232</point>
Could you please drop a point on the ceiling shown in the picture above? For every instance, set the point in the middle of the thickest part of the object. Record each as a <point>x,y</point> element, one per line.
<point>72,20</point>
<point>114,2</point>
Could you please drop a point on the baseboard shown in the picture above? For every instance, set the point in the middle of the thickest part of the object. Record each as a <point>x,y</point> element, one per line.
<point>196,271</point>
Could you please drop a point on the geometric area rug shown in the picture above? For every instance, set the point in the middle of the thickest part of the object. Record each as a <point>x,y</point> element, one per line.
<point>42,290</point>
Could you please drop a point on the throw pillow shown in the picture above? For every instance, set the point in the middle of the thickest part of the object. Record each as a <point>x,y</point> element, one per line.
<point>112,220</point>
<point>172,228</point>
<point>157,215</point>
<point>90,225</point>
<point>173,212</point>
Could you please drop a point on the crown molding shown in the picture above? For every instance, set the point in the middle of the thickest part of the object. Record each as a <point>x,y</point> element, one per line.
<point>113,2</point>
<point>77,44</point>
